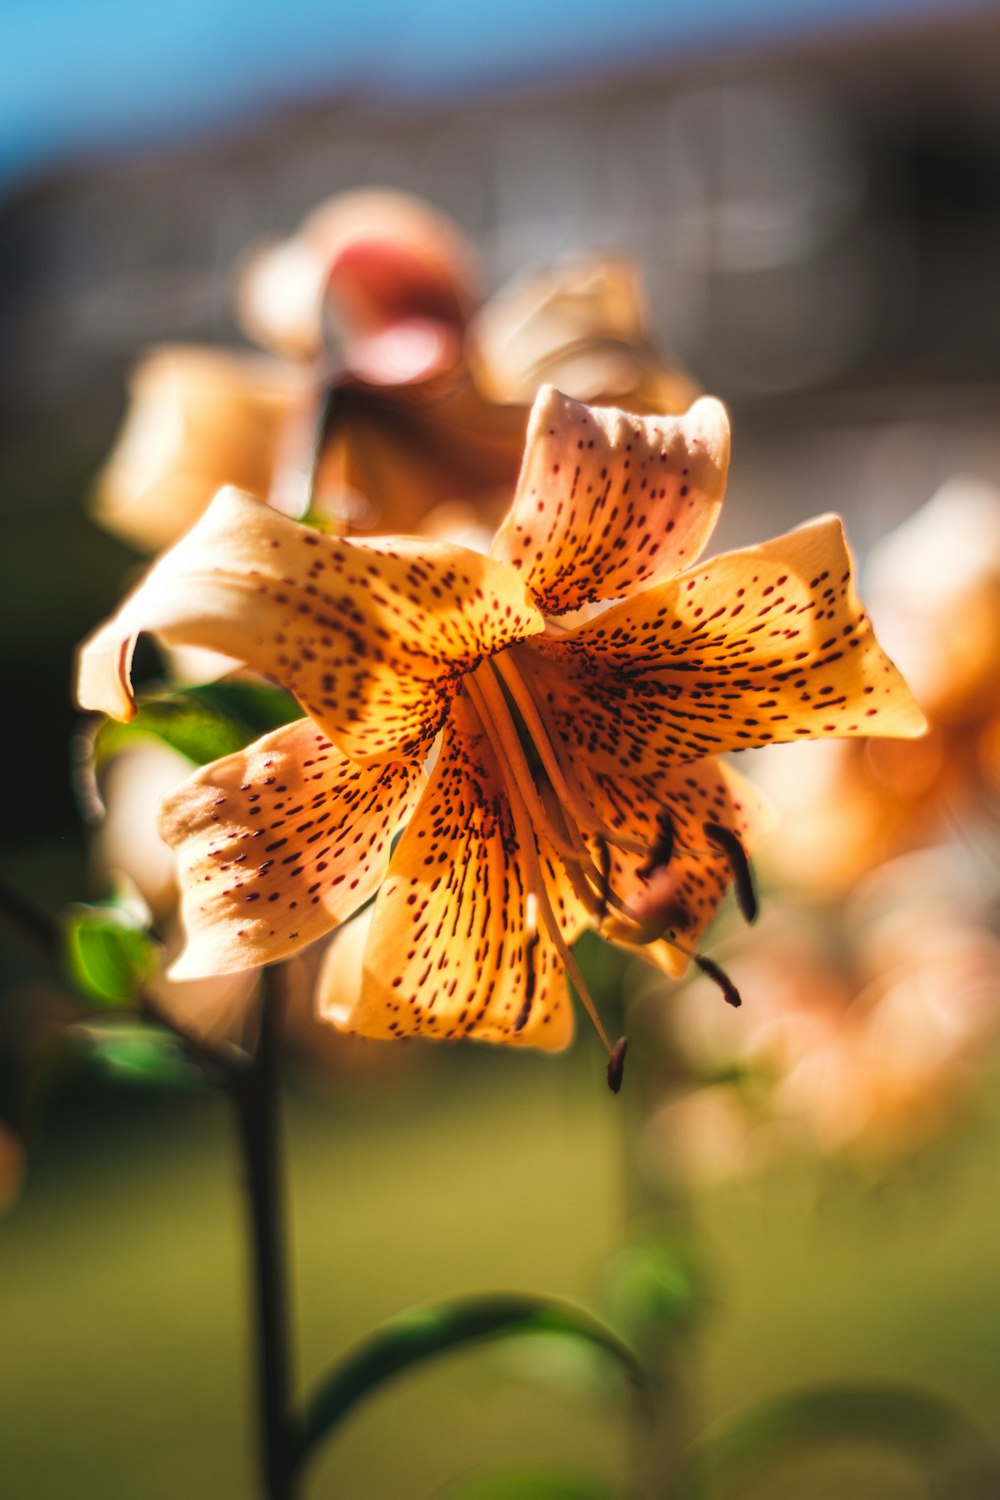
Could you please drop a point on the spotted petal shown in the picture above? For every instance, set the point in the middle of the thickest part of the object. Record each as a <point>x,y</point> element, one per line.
<point>278,843</point>
<point>372,639</point>
<point>608,502</point>
<point>449,954</point>
<point>753,647</point>
<point>685,893</point>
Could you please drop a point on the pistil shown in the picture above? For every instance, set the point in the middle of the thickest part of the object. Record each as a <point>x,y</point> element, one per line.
<point>477,687</point>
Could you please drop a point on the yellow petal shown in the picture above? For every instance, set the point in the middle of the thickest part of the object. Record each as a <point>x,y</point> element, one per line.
<point>608,502</point>
<point>691,886</point>
<point>753,647</point>
<point>197,419</point>
<point>450,953</point>
<point>277,844</point>
<point>371,638</point>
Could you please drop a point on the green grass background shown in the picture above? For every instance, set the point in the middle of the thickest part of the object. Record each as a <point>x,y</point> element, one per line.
<point>122,1285</point>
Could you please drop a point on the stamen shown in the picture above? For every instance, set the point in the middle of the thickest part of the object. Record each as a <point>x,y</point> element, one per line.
<point>713,971</point>
<point>500,730</point>
<point>479,691</point>
<point>557,768</point>
<point>604,890</point>
<point>530,969</point>
<point>661,852</point>
<point>616,1064</point>
<point>596,893</point>
<point>739,866</point>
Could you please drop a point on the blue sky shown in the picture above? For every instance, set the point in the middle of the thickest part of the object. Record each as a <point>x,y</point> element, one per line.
<point>78,75</point>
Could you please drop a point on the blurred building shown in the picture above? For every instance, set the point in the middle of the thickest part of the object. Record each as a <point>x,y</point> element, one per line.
<point>823,218</point>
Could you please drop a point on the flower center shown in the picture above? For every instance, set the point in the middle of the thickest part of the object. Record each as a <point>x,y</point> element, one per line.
<point>552,810</point>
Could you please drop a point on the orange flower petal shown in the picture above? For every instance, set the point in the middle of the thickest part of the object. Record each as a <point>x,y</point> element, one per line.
<point>394,461</point>
<point>753,647</point>
<point>197,419</point>
<point>607,502</point>
<point>371,638</point>
<point>277,844</point>
<point>688,890</point>
<point>450,953</point>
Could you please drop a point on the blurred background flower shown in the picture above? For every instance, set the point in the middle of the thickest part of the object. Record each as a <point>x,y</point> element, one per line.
<point>933,592</point>
<point>867,1022</point>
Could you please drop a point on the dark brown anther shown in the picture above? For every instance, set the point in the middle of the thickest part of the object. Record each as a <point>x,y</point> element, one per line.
<point>730,993</point>
<point>739,867</point>
<point>616,1064</point>
<point>530,982</point>
<point>661,852</point>
<point>605,889</point>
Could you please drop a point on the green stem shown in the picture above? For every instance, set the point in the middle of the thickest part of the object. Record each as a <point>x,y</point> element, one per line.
<point>255,1093</point>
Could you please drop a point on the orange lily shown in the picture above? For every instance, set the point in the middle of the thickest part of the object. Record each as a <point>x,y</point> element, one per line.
<point>425,404</point>
<point>576,781</point>
<point>403,430</point>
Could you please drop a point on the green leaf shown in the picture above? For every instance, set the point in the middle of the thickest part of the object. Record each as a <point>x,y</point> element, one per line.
<point>656,1287</point>
<point>529,1484</point>
<point>110,958</point>
<point>203,722</point>
<point>938,1439</point>
<point>257,707</point>
<point>136,1054</point>
<point>422,1333</point>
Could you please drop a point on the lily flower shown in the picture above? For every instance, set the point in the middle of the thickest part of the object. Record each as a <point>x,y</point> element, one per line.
<point>391,394</point>
<point>365,311</point>
<point>576,752</point>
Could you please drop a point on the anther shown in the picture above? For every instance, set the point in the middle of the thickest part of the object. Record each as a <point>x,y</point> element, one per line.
<point>616,1064</point>
<point>739,867</point>
<point>712,970</point>
<point>530,968</point>
<point>661,851</point>
<point>604,890</point>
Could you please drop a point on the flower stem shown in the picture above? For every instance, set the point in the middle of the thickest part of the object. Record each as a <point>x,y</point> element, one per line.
<point>255,1094</point>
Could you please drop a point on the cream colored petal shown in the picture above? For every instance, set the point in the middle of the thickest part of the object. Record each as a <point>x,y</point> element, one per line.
<point>128,841</point>
<point>580,327</point>
<point>607,502</point>
<point>216,1008</point>
<point>197,419</point>
<point>371,638</point>
<point>338,985</point>
<point>277,844</point>
<point>450,952</point>
<point>749,649</point>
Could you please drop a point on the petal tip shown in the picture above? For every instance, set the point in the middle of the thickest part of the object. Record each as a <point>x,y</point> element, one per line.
<point>914,722</point>
<point>707,420</point>
<point>102,677</point>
